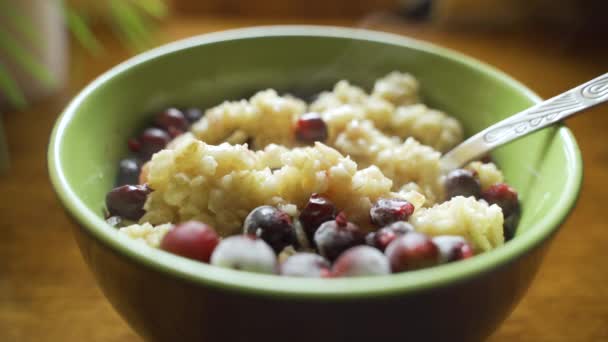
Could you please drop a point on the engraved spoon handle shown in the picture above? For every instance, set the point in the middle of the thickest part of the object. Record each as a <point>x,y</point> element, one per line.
<point>530,120</point>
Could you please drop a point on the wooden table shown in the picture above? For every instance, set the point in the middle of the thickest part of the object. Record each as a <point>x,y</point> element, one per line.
<point>47,293</point>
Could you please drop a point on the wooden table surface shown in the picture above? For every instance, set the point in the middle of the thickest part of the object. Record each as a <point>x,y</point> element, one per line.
<point>47,293</point>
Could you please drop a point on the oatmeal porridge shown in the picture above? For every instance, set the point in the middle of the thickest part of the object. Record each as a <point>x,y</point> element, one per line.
<point>347,185</point>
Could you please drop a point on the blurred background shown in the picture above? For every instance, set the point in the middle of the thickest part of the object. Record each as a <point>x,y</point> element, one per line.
<point>37,37</point>
<point>50,49</point>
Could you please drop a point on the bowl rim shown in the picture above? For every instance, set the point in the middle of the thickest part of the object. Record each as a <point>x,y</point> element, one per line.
<point>271,285</point>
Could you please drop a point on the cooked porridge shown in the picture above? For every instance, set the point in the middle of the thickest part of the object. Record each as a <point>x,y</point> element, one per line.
<point>348,185</point>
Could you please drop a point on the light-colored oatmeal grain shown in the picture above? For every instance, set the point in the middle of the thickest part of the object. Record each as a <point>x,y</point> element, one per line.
<point>397,88</point>
<point>431,127</point>
<point>265,118</point>
<point>347,102</point>
<point>393,110</point>
<point>221,184</point>
<point>476,221</point>
<point>402,162</point>
<point>147,233</point>
<point>342,93</point>
<point>488,173</point>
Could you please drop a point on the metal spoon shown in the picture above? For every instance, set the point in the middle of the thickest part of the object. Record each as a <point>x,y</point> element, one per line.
<point>525,122</point>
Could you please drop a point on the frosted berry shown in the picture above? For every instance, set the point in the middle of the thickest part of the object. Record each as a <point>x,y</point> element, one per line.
<point>245,253</point>
<point>411,251</point>
<point>361,261</point>
<point>271,225</point>
<point>388,210</point>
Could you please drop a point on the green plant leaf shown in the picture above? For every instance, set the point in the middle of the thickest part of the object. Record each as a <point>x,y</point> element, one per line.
<point>77,24</point>
<point>130,24</point>
<point>155,8</point>
<point>24,58</point>
<point>20,22</point>
<point>11,89</point>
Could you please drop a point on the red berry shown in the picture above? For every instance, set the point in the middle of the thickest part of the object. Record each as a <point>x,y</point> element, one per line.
<point>192,239</point>
<point>172,118</point>
<point>510,224</point>
<point>361,261</point>
<point>127,201</point>
<point>153,140</point>
<point>486,159</point>
<point>193,114</point>
<point>134,145</point>
<point>174,132</point>
<point>411,251</point>
<point>128,172</point>
<point>310,128</point>
<point>461,182</point>
<point>465,252</point>
<point>383,237</point>
<point>271,225</point>
<point>389,210</point>
<point>334,237</point>
<point>341,219</point>
<point>452,248</point>
<point>504,196</point>
<point>318,210</point>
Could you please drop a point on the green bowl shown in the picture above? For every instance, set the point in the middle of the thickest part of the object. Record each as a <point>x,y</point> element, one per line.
<point>166,297</point>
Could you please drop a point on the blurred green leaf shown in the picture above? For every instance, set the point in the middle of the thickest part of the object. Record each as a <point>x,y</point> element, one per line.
<point>18,54</point>
<point>155,8</point>
<point>77,24</point>
<point>22,23</point>
<point>11,89</point>
<point>130,19</point>
<point>130,24</point>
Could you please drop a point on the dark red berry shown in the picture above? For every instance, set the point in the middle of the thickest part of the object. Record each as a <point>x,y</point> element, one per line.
<point>128,172</point>
<point>466,251</point>
<point>153,140</point>
<point>389,210</point>
<point>192,239</point>
<point>486,159</point>
<point>127,201</point>
<point>510,223</point>
<point>172,118</point>
<point>504,196</point>
<point>310,128</point>
<point>134,145</point>
<point>174,132</point>
<point>384,236</point>
<point>250,145</point>
<point>318,210</point>
<point>461,182</point>
<point>341,219</point>
<point>335,236</point>
<point>309,265</point>
<point>271,225</point>
<point>361,261</point>
<point>452,248</point>
<point>193,114</point>
<point>411,251</point>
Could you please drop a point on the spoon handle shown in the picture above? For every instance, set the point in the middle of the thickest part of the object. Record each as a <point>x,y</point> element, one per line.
<point>530,120</point>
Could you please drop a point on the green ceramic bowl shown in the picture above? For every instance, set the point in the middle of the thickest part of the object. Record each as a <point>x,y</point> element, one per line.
<point>169,298</point>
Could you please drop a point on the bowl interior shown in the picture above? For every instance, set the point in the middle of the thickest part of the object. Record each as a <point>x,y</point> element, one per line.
<point>91,136</point>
